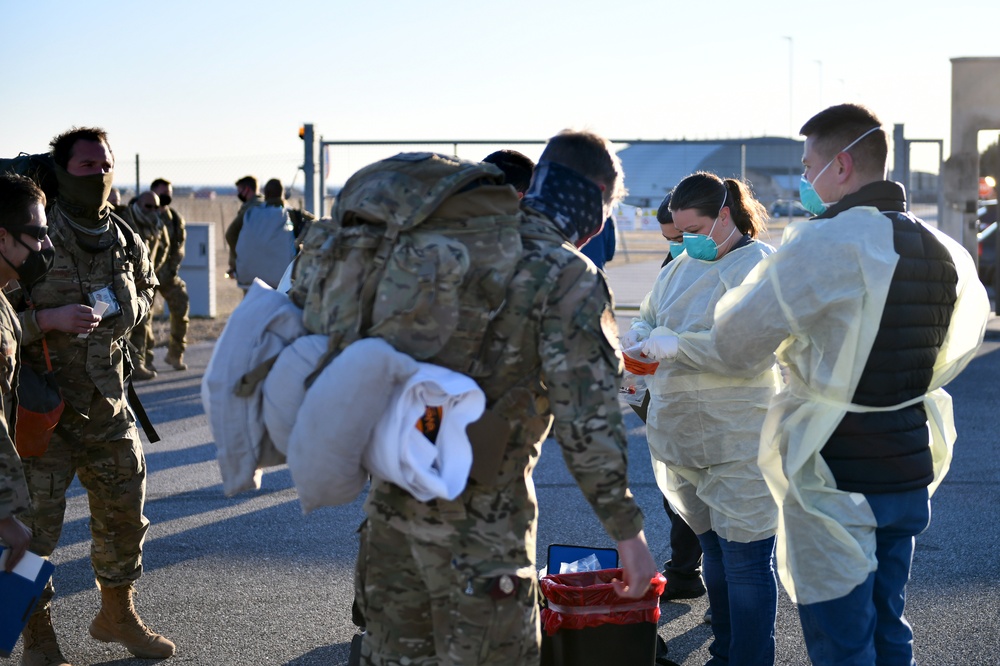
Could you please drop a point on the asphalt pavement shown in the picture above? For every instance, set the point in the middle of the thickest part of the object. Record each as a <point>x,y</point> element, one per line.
<point>250,580</point>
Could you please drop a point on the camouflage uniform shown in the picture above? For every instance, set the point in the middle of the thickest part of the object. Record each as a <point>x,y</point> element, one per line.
<point>454,582</point>
<point>96,438</point>
<point>172,287</point>
<point>236,226</point>
<point>158,242</point>
<point>13,489</point>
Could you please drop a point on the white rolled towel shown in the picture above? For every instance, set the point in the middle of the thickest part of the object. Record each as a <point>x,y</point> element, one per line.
<point>402,454</point>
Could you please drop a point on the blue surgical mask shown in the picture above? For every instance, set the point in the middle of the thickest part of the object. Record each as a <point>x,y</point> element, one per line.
<point>808,195</point>
<point>703,246</point>
<point>676,248</point>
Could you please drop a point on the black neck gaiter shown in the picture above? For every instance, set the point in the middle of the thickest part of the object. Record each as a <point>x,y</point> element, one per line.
<point>572,201</point>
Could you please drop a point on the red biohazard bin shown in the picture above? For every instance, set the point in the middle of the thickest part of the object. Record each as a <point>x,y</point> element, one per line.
<point>586,623</point>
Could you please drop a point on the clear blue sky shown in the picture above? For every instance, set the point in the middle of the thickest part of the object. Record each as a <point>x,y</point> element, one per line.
<point>183,80</point>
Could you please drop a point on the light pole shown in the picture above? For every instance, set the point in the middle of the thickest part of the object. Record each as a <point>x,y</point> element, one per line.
<point>820,63</point>
<point>791,120</point>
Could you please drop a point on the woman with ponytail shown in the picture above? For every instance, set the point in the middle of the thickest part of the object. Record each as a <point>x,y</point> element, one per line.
<point>704,423</point>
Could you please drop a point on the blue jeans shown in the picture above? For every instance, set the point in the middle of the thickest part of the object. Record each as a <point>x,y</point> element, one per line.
<point>867,625</point>
<point>743,597</point>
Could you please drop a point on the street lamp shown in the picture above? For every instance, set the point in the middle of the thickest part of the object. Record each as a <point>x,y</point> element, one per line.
<point>791,118</point>
<point>820,63</point>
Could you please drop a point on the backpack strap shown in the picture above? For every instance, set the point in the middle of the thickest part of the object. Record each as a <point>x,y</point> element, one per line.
<point>126,231</point>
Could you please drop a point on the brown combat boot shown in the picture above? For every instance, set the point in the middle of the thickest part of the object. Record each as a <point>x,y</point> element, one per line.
<point>176,361</point>
<point>40,646</point>
<point>118,622</point>
<point>141,373</point>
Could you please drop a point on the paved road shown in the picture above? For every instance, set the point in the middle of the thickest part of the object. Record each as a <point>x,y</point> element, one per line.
<point>250,580</point>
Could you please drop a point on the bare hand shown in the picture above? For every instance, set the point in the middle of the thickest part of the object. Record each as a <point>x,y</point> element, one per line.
<point>73,318</point>
<point>638,567</point>
<point>17,536</point>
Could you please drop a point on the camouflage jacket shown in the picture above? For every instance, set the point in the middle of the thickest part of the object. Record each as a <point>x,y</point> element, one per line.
<point>97,362</point>
<point>13,489</point>
<point>156,236</point>
<point>554,349</point>
<point>178,235</point>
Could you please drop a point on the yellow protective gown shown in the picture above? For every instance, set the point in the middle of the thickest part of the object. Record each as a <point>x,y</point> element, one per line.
<point>819,301</point>
<point>703,427</point>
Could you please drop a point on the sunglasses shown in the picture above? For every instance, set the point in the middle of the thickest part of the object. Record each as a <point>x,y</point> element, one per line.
<point>35,231</point>
<point>148,206</point>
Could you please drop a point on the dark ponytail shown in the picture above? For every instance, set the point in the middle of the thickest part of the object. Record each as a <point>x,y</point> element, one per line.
<point>708,194</point>
<point>749,215</point>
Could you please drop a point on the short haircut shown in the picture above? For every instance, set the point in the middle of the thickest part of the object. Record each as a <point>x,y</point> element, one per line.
<point>663,214</point>
<point>62,145</point>
<point>273,189</point>
<point>159,182</point>
<point>247,181</point>
<point>17,194</point>
<point>516,167</point>
<point>835,128</point>
<point>590,155</point>
<point>708,194</point>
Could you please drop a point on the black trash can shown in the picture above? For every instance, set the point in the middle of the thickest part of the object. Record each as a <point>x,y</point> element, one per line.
<point>586,623</point>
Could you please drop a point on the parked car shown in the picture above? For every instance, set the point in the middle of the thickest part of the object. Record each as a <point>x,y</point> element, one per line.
<point>784,208</point>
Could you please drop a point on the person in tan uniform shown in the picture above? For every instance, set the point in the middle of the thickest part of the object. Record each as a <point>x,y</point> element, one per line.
<point>249,195</point>
<point>143,216</point>
<point>97,260</point>
<point>172,287</point>
<point>23,240</point>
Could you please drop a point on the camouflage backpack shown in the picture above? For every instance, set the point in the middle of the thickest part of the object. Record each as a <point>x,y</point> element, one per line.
<point>418,252</point>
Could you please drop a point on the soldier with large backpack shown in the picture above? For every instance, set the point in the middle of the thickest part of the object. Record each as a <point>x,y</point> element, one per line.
<point>435,256</point>
<point>264,244</point>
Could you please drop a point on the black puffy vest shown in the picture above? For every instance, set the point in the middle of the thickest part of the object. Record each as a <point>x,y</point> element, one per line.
<point>885,452</point>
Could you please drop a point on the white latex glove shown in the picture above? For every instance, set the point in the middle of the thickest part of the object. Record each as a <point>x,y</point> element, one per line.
<point>659,347</point>
<point>632,338</point>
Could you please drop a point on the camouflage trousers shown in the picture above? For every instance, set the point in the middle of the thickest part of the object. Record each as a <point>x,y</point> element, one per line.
<point>104,451</point>
<point>424,606</point>
<point>174,292</point>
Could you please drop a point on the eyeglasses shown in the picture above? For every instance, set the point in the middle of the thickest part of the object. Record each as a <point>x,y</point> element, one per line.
<point>35,231</point>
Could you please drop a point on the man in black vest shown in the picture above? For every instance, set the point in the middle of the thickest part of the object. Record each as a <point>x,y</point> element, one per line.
<point>871,312</point>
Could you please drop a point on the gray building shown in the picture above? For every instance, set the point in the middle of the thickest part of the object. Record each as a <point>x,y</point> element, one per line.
<point>772,166</point>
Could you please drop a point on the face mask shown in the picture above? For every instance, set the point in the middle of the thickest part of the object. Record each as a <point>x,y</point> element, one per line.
<point>87,192</point>
<point>149,217</point>
<point>676,248</point>
<point>810,199</point>
<point>165,199</point>
<point>703,246</point>
<point>35,265</point>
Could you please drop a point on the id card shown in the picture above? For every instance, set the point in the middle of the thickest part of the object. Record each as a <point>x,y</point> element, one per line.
<point>107,296</point>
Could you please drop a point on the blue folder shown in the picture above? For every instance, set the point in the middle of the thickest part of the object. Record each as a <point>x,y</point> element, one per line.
<point>19,594</point>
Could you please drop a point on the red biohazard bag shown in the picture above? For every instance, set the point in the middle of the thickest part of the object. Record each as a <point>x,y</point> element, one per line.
<point>39,407</point>
<point>587,599</point>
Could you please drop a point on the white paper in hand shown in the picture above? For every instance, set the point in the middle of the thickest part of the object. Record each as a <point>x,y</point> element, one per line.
<point>99,308</point>
<point>29,566</point>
